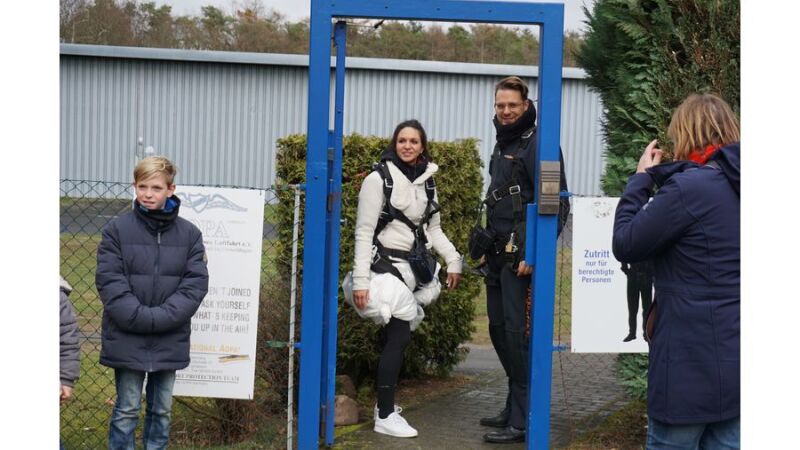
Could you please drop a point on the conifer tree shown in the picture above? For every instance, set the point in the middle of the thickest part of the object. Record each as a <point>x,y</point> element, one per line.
<point>643,57</point>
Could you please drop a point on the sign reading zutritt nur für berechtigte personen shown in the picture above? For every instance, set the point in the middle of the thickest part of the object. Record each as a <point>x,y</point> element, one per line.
<point>223,345</point>
<point>601,313</point>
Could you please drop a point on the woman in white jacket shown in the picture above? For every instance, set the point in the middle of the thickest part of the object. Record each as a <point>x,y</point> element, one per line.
<point>384,297</point>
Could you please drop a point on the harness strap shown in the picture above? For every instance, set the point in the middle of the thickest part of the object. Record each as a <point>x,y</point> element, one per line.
<point>495,195</point>
<point>392,252</point>
<point>380,262</point>
<point>516,206</point>
<point>512,187</point>
<point>390,213</point>
<point>382,265</point>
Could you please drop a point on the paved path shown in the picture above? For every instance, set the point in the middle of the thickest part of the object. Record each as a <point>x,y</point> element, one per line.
<point>451,421</point>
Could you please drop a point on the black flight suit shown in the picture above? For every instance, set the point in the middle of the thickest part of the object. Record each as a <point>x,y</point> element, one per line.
<point>506,293</point>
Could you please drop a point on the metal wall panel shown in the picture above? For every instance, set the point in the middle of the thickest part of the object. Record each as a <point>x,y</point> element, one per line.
<point>219,122</point>
<point>460,106</point>
<point>219,116</point>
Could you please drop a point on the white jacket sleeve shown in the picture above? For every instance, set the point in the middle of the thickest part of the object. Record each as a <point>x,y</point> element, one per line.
<point>370,204</point>
<point>441,245</point>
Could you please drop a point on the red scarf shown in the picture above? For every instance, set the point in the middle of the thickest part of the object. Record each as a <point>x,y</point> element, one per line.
<point>702,156</point>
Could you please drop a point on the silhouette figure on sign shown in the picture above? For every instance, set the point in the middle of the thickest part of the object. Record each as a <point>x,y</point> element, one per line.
<point>640,282</point>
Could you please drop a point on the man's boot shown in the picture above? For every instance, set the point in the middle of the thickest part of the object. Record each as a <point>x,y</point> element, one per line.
<point>501,419</point>
<point>507,435</point>
<point>498,421</point>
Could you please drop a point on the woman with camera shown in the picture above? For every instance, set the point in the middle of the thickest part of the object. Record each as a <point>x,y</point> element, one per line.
<point>690,230</point>
<point>394,273</point>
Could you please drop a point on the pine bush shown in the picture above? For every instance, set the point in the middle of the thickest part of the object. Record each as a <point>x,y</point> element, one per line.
<point>644,57</point>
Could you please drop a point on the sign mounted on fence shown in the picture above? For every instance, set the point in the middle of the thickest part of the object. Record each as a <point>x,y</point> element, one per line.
<point>223,345</point>
<point>601,317</point>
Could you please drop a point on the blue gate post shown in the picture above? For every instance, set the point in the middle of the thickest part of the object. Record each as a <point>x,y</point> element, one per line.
<point>543,281</point>
<point>335,210</point>
<point>315,240</point>
<point>324,185</point>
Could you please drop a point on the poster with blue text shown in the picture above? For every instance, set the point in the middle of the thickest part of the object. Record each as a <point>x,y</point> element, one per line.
<point>224,328</point>
<point>608,298</point>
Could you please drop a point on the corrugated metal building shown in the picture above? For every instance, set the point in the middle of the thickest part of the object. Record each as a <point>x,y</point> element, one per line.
<point>218,114</point>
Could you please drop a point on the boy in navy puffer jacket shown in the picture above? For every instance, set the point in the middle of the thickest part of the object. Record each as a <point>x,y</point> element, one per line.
<point>151,276</point>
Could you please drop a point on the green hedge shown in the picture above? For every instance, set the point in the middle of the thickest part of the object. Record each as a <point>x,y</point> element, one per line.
<point>448,322</point>
<point>644,57</point>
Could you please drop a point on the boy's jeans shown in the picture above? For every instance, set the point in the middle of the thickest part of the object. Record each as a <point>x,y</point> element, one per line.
<point>125,416</point>
<point>705,436</point>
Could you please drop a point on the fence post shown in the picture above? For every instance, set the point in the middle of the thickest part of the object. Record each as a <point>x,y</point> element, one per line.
<point>292,307</point>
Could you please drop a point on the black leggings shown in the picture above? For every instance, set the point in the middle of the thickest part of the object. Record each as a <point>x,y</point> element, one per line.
<point>396,336</point>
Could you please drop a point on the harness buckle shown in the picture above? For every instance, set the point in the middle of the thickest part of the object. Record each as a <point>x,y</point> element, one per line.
<point>528,133</point>
<point>376,256</point>
<point>497,197</point>
<point>514,190</point>
<point>388,183</point>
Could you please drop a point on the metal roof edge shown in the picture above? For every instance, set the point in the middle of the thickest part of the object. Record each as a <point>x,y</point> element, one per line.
<point>171,54</point>
<point>281,59</point>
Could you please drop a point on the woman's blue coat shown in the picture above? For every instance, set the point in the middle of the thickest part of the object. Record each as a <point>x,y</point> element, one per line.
<point>691,231</point>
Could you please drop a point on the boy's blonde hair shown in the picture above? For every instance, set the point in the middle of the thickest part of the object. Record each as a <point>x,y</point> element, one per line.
<point>699,121</point>
<point>155,165</point>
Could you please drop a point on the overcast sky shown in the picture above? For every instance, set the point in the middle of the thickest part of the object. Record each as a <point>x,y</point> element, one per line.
<point>295,10</point>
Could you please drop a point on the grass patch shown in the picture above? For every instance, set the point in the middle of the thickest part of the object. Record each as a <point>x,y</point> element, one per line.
<point>78,263</point>
<point>84,419</point>
<point>562,320</point>
<point>625,429</point>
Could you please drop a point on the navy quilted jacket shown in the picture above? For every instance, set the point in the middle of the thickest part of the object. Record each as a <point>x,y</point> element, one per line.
<point>691,231</point>
<point>151,276</point>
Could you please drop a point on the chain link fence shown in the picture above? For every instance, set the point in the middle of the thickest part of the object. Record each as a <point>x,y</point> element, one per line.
<point>85,208</point>
<point>585,388</point>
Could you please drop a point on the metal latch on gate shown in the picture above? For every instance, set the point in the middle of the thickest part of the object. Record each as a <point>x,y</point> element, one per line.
<point>549,187</point>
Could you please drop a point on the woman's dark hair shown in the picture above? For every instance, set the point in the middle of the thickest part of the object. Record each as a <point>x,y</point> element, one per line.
<point>412,123</point>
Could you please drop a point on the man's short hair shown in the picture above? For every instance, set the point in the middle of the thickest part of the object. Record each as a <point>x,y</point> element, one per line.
<point>513,83</point>
<point>155,165</point>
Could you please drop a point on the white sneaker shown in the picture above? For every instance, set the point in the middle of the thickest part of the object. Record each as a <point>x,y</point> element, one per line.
<point>397,409</point>
<point>394,425</point>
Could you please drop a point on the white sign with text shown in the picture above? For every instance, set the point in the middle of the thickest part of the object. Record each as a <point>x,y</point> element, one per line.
<point>224,328</point>
<point>599,287</point>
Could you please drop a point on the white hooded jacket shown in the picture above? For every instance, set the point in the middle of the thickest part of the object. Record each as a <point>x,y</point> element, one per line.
<point>408,197</point>
<point>388,296</point>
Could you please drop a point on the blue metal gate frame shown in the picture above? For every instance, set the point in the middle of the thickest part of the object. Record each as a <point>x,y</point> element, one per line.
<point>323,197</point>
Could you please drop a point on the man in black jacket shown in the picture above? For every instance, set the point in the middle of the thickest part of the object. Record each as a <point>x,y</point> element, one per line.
<point>508,298</point>
<point>151,277</point>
